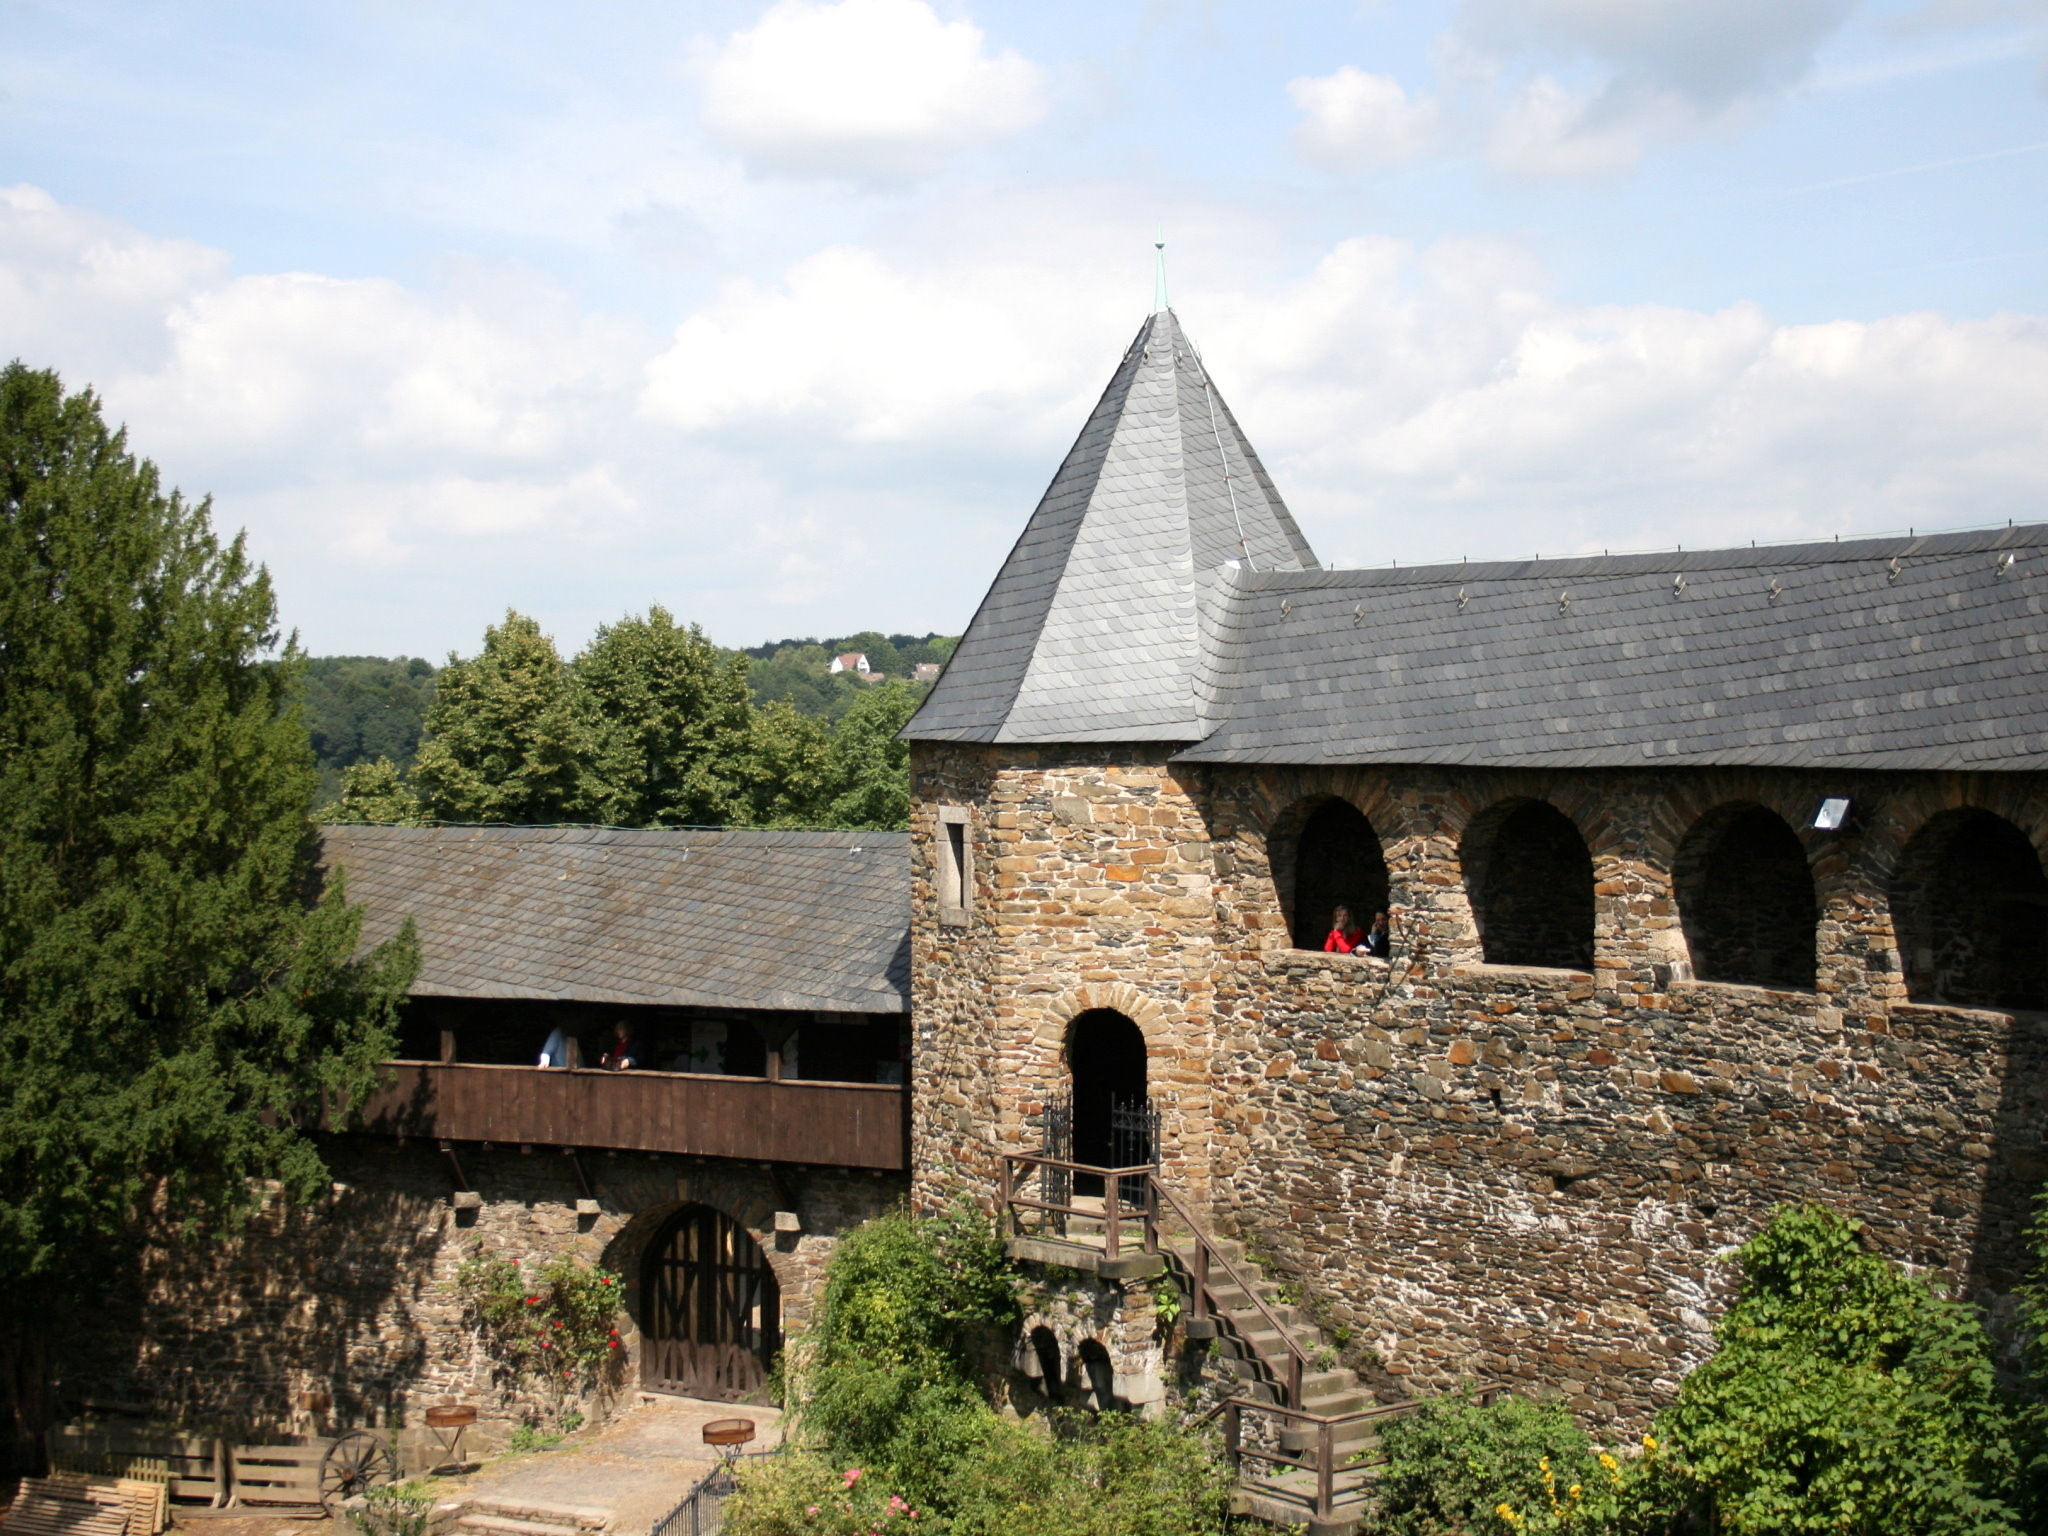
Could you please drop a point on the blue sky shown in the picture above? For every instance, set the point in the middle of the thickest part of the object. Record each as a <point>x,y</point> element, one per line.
<point>783,315</point>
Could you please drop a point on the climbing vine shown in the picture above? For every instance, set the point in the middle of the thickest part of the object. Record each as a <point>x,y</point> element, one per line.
<point>556,1328</point>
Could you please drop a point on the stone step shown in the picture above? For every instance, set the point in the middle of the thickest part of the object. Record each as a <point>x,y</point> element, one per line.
<point>524,1511</point>
<point>498,1525</point>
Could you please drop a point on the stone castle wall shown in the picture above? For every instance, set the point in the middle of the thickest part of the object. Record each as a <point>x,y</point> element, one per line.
<point>353,1299</point>
<point>1477,1170</point>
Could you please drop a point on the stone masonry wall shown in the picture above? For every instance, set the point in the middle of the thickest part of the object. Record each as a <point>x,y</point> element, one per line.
<point>1482,1170</point>
<point>353,1299</point>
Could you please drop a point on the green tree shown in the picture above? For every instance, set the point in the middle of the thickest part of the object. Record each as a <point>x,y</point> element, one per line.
<point>788,768</point>
<point>512,737</point>
<point>174,1013</point>
<point>677,727</point>
<point>376,793</point>
<point>868,769</point>
<point>1847,1396</point>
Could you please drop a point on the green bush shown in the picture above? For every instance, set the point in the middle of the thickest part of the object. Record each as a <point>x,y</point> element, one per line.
<point>556,1327</point>
<point>1847,1396</point>
<point>393,1511</point>
<point>1456,1465</point>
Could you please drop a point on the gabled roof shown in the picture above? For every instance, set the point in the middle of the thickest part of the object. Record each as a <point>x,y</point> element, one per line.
<point>1091,630</point>
<point>1883,653</point>
<point>783,920</point>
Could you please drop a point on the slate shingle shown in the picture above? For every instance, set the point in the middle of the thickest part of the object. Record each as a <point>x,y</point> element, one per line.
<point>784,920</point>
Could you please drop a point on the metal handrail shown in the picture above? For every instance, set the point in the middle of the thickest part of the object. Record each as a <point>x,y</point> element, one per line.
<point>1206,1253</point>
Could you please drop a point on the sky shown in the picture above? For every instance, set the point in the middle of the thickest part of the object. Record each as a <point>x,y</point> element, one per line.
<point>782,316</point>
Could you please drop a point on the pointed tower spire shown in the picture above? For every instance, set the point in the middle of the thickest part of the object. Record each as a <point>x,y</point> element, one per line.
<point>1159,270</point>
<point>1092,630</point>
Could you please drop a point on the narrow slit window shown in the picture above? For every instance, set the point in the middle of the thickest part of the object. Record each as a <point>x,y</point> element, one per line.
<point>956,867</point>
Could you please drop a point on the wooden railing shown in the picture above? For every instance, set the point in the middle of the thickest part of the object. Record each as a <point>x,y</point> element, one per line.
<point>841,1125</point>
<point>1118,1208</point>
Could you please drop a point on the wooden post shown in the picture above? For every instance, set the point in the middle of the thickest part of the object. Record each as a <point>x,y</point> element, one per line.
<point>1004,1189</point>
<point>1201,1278</point>
<point>1109,1215</point>
<point>1293,1379</point>
<point>447,1047</point>
<point>1326,1471</point>
<point>1233,1436</point>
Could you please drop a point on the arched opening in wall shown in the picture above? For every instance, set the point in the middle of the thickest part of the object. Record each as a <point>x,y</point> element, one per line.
<point>1112,1120</point>
<point>1045,1352</point>
<point>1529,877</point>
<point>1098,1375</point>
<point>1337,863</point>
<point>1970,906</point>
<point>1745,899</point>
<point>711,1321</point>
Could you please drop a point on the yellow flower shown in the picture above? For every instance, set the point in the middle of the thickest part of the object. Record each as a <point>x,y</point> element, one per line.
<point>1649,1442</point>
<point>1507,1513</point>
<point>1608,1461</point>
<point>1573,1490</point>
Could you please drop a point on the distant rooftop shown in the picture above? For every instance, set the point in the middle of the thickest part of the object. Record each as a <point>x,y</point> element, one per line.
<point>781,920</point>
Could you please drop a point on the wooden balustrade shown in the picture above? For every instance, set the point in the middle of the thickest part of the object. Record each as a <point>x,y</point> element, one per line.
<point>841,1125</point>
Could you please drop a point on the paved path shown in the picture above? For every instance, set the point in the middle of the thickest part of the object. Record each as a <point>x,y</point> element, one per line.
<point>637,1465</point>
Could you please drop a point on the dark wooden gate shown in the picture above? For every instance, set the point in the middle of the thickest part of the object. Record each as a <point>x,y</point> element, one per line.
<point>713,1312</point>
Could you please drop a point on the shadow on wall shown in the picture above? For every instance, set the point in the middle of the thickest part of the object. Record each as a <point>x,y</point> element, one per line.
<point>253,1332</point>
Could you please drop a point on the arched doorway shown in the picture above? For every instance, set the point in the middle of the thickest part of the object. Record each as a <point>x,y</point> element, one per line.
<point>1113,1126</point>
<point>1970,906</point>
<point>712,1310</point>
<point>1745,897</point>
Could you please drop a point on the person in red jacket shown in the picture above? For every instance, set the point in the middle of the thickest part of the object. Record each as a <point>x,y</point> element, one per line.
<point>1346,937</point>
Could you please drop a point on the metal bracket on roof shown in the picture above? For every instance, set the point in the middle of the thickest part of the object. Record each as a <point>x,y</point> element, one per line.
<point>1891,572</point>
<point>1678,585</point>
<point>2005,562</point>
<point>1358,615</point>
<point>1463,597</point>
<point>1777,589</point>
<point>1286,606</point>
<point>1564,602</point>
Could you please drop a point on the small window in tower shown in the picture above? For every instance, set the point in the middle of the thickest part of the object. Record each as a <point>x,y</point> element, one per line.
<point>956,866</point>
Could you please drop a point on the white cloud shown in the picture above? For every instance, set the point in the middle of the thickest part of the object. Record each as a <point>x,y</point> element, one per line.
<point>1544,128</point>
<point>1711,53</point>
<point>1352,119</point>
<point>876,90</point>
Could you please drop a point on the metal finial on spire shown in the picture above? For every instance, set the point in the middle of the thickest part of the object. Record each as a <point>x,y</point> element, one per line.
<point>1159,271</point>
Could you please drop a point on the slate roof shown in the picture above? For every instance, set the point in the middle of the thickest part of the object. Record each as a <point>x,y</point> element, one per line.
<point>1882,653</point>
<point>1091,629</point>
<point>783,920</point>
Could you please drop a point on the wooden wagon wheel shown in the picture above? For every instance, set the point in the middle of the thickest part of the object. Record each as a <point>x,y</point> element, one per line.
<point>355,1463</point>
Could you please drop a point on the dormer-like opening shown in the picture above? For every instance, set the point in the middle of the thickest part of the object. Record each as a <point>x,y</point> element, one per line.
<point>1529,876</point>
<point>1970,907</point>
<point>1334,861</point>
<point>1745,898</point>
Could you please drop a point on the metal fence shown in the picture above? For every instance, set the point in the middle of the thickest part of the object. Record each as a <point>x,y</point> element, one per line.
<point>702,1511</point>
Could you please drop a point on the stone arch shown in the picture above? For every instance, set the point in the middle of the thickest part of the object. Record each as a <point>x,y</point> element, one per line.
<point>1260,862</point>
<point>1325,852</point>
<point>1746,898</point>
<point>1107,1071</point>
<point>1969,905</point>
<point>750,1207</point>
<point>1141,1008</point>
<point>1529,877</point>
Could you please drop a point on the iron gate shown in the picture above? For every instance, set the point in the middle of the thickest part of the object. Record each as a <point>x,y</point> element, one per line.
<point>1132,1142</point>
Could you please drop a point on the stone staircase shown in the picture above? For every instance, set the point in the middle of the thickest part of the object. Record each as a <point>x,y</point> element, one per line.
<point>510,1515</point>
<point>1251,1343</point>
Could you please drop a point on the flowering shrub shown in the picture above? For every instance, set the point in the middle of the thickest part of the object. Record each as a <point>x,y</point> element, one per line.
<point>801,1493</point>
<point>555,1329</point>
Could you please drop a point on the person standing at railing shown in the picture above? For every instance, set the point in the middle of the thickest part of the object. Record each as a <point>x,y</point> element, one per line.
<point>621,1054</point>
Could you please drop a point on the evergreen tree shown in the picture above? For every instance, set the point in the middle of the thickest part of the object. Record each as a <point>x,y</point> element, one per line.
<point>512,737</point>
<point>677,726</point>
<point>174,1012</point>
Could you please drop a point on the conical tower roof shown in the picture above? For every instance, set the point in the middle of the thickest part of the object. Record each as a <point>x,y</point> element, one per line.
<point>1092,630</point>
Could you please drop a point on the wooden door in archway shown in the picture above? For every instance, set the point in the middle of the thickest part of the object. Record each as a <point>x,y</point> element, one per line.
<point>713,1311</point>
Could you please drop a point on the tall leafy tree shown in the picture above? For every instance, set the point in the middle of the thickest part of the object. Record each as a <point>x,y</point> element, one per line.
<point>867,768</point>
<point>513,737</point>
<point>676,725</point>
<point>174,1010</point>
<point>788,768</point>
